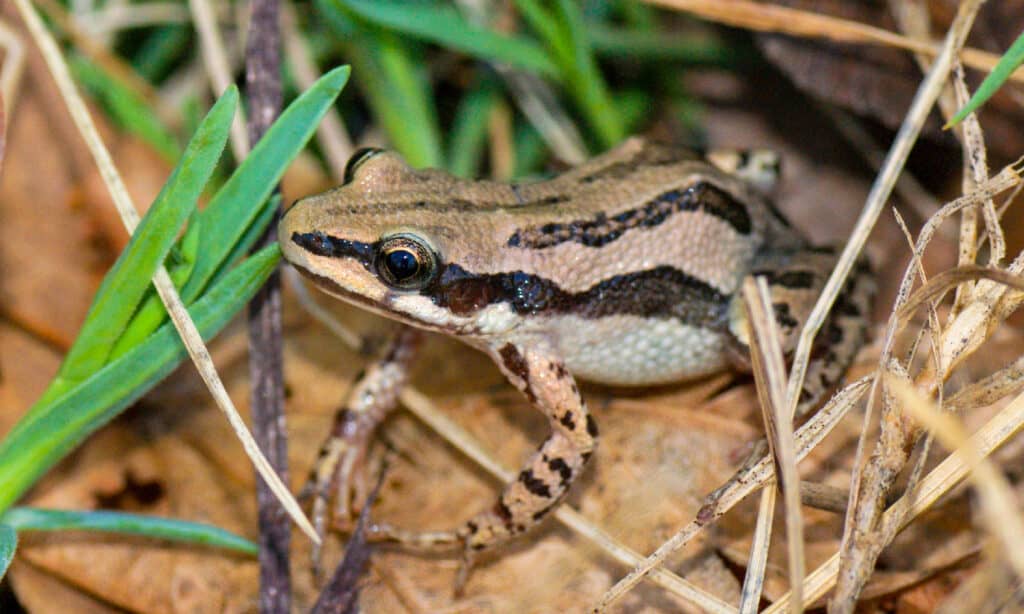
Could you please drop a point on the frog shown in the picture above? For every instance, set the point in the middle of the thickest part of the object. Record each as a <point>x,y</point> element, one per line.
<point>625,270</point>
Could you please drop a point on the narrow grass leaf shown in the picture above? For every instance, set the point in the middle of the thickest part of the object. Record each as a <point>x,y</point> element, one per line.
<point>586,84</point>
<point>150,314</point>
<point>51,431</point>
<point>530,151</point>
<point>672,47</point>
<point>394,77</point>
<point>469,129</point>
<point>161,50</point>
<point>267,213</point>
<point>8,546</point>
<point>36,519</point>
<point>440,23</point>
<point>128,109</point>
<point>127,281</point>
<point>1010,61</point>
<point>232,210</point>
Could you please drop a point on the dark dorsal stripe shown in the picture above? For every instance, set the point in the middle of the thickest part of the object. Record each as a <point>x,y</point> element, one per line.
<point>603,229</point>
<point>661,292</point>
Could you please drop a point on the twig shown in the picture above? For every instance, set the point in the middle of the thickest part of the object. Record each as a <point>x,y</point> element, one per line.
<point>761,17</point>
<point>266,376</point>
<point>998,503</point>
<point>937,483</point>
<point>769,369</point>
<point>161,280</point>
<point>807,438</point>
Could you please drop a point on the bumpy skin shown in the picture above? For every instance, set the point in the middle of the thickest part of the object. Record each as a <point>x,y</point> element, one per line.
<point>624,270</point>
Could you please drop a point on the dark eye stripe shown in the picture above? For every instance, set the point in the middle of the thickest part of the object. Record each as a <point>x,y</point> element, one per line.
<point>321,244</point>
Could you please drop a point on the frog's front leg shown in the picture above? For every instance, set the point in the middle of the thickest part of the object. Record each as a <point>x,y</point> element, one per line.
<point>339,470</point>
<point>547,475</point>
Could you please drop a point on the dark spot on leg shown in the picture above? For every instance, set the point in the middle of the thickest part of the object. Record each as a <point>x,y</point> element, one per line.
<point>568,421</point>
<point>783,317</point>
<point>502,511</point>
<point>591,426</point>
<point>559,466</point>
<point>534,485</point>
<point>516,364</point>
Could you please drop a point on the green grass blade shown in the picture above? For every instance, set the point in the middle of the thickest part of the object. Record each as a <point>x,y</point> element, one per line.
<point>586,84</point>
<point>36,519</point>
<point>129,110</point>
<point>469,129</point>
<point>51,431</point>
<point>161,49</point>
<point>1010,61</point>
<point>530,151</point>
<point>150,314</point>
<point>544,23</point>
<point>440,23</point>
<point>639,44</point>
<point>8,546</point>
<point>394,79</point>
<point>233,208</point>
<point>264,217</point>
<point>126,283</point>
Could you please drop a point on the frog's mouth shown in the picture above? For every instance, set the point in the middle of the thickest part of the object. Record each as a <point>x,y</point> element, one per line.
<point>333,288</point>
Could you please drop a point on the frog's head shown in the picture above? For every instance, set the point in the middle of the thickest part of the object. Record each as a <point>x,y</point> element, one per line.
<point>399,242</point>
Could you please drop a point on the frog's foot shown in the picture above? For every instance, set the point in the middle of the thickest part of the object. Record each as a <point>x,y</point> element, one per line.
<point>483,531</point>
<point>339,474</point>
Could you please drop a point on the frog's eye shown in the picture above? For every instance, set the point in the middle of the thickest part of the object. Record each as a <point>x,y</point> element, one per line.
<point>358,158</point>
<point>406,262</point>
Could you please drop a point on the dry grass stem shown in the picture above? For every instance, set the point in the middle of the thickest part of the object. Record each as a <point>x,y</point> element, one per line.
<point>913,19</point>
<point>99,53</point>
<point>976,172</point>
<point>998,504</point>
<point>769,368</point>
<point>161,280</point>
<point>764,17</point>
<point>907,187</point>
<point>215,58</point>
<point>331,134</point>
<point>757,561</point>
<point>872,481</point>
<point>759,475</point>
<point>938,482</point>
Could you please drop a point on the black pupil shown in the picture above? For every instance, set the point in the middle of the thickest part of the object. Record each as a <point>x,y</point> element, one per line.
<point>401,263</point>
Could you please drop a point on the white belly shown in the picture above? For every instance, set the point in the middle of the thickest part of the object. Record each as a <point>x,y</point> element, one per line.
<point>630,350</point>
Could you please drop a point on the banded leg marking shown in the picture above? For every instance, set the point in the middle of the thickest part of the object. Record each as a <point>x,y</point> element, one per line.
<point>544,479</point>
